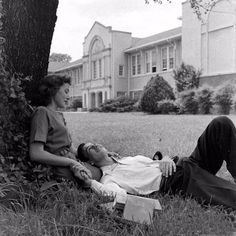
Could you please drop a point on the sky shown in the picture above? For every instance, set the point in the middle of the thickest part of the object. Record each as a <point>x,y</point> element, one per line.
<point>76,17</point>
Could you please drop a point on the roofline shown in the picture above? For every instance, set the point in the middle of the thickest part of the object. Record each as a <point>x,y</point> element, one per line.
<point>96,22</point>
<point>69,67</point>
<point>153,42</point>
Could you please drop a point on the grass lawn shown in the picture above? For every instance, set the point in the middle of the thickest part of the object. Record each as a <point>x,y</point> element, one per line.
<point>71,211</point>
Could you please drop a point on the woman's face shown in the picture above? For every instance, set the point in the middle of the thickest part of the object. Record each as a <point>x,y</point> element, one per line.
<point>62,96</point>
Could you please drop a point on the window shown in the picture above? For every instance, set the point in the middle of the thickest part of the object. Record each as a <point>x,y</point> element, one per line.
<point>135,94</point>
<point>94,69</point>
<point>136,64</point>
<point>167,58</point>
<point>121,94</point>
<point>164,58</point>
<point>171,57</point>
<point>121,70</point>
<point>154,61</point>
<point>147,61</point>
<point>151,61</point>
<point>100,67</point>
<point>133,65</point>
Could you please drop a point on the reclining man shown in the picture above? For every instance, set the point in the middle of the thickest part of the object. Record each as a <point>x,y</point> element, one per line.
<point>193,175</point>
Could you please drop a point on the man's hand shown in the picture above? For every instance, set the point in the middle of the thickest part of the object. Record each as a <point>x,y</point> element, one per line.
<point>167,166</point>
<point>81,172</point>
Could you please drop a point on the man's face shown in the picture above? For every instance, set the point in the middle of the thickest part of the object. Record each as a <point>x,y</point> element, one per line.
<point>95,152</point>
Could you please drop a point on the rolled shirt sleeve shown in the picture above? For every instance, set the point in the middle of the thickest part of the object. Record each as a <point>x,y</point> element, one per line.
<point>110,189</point>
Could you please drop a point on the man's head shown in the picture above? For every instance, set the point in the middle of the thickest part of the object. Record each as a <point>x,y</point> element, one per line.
<point>94,153</point>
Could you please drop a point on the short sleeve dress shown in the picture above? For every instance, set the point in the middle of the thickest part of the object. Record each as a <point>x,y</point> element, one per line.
<point>49,127</point>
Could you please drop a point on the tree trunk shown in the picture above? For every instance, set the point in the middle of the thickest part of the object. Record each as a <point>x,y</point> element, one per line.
<point>28,27</point>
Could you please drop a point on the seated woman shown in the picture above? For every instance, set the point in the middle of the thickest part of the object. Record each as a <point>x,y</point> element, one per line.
<point>50,141</point>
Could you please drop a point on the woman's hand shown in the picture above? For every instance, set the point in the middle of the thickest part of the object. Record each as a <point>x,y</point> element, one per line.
<point>81,172</point>
<point>167,166</point>
<point>67,153</point>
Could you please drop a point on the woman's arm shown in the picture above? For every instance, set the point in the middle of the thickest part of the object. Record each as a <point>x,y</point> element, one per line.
<point>38,154</point>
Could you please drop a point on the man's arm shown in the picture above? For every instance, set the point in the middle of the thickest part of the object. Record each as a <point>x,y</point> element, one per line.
<point>109,189</point>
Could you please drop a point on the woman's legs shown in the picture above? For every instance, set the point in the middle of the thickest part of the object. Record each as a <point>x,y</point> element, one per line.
<point>216,144</point>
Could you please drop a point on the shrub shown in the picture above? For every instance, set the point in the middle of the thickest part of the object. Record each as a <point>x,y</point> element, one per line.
<point>188,103</point>
<point>157,89</point>
<point>77,103</point>
<point>204,99</point>
<point>166,107</point>
<point>119,104</point>
<point>223,98</point>
<point>15,114</point>
<point>186,77</point>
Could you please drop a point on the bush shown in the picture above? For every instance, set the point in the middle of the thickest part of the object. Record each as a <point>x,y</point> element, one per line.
<point>77,103</point>
<point>157,89</point>
<point>223,98</point>
<point>166,107</point>
<point>204,99</point>
<point>186,77</point>
<point>119,104</point>
<point>15,114</point>
<point>188,102</point>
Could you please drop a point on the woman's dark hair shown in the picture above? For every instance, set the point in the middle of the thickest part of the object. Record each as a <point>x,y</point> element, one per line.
<point>80,153</point>
<point>49,86</point>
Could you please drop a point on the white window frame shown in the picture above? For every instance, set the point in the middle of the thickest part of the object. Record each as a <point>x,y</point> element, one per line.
<point>100,68</point>
<point>94,63</point>
<point>121,70</point>
<point>133,64</point>
<point>151,61</point>
<point>136,64</point>
<point>168,62</point>
<point>135,94</point>
<point>148,61</point>
<point>154,60</point>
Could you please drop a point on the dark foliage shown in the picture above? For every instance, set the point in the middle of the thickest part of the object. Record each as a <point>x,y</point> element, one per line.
<point>119,104</point>
<point>223,98</point>
<point>204,99</point>
<point>188,102</point>
<point>186,77</point>
<point>77,103</point>
<point>157,89</point>
<point>15,116</point>
<point>166,107</point>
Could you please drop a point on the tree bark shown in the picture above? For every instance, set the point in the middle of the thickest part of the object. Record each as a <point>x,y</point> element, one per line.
<point>28,27</point>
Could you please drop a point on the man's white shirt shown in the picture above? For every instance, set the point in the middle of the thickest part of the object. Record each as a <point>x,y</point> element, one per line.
<point>135,175</point>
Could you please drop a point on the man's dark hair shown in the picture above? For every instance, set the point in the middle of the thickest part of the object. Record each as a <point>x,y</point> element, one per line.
<point>80,153</point>
<point>49,86</point>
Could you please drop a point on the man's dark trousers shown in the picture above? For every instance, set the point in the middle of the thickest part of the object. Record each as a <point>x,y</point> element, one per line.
<point>195,175</point>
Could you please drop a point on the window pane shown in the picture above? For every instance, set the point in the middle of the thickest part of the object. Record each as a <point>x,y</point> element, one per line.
<point>100,68</point>
<point>164,58</point>
<point>154,57</point>
<point>121,70</point>
<point>147,61</point>
<point>94,70</point>
<point>171,57</point>
<point>133,59</point>
<point>138,64</point>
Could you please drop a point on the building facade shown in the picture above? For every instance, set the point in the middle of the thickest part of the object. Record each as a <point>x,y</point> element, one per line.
<point>114,63</point>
